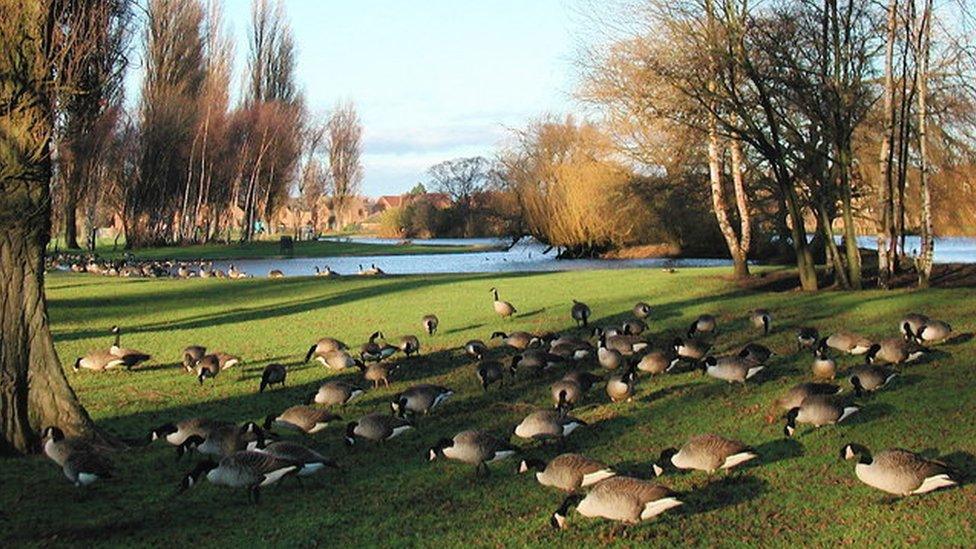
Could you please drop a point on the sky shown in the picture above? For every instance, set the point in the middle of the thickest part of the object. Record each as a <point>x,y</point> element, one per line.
<point>431,79</point>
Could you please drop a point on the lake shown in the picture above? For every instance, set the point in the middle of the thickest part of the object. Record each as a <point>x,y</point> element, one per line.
<point>526,256</point>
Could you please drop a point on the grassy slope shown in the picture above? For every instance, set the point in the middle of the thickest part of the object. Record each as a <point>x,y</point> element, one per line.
<point>800,494</point>
<point>266,249</point>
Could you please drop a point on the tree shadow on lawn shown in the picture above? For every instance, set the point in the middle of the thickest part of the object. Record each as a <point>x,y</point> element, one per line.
<point>731,489</point>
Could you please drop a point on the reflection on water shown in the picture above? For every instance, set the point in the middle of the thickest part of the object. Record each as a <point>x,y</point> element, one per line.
<point>526,256</point>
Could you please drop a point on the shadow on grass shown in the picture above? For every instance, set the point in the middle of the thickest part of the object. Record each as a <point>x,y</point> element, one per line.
<point>732,489</point>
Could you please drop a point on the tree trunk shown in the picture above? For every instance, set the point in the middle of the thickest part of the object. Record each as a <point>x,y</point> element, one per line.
<point>850,234</point>
<point>886,237</point>
<point>924,263</point>
<point>805,266</point>
<point>740,261</point>
<point>70,222</point>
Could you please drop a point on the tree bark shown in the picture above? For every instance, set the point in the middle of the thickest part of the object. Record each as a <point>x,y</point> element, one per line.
<point>886,258</point>
<point>70,222</point>
<point>924,263</point>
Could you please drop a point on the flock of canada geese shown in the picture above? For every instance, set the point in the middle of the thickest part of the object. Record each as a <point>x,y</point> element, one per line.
<point>252,456</point>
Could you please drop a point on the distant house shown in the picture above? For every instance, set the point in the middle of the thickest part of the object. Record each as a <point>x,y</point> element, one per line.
<point>440,201</point>
<point>297,217</point>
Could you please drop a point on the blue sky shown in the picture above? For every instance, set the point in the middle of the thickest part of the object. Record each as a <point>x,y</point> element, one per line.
<point>432,79</point>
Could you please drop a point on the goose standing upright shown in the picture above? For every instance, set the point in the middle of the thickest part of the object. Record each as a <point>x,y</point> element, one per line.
<point>430,323</point>
<point>131,357</point>
<point>504,309</point>
<point>580,312</point>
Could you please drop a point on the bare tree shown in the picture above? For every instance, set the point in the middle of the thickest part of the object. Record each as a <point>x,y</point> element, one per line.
<point>344,142</point>
<point>886,227</point>
<point>924,263</point>
<point>461,179</point>
<point>313,176</point>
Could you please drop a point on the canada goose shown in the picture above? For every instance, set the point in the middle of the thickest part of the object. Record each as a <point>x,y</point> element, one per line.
<point>610,359</point>
<point>517,340</point>
<point>547,424</point>
<point>894,351</point>
<point>191,355</point>
<point>245,469</point>
<point>177,433</point>
<point>899,472</point>
<point>868,378</point>
<point>655,362</point>
<point>568,472</point>
<point>914,322</point>
<point>489,372</point>
<point>535,360</point>
<point>276,273</point>
<point>477,448</point>
<point>625,344</point>
<point>323,346</point>
<point>824,367</point>
<point>335,393</point>
<point>733,369</point>
<point>222,440</point>
<point>580,312</point>
<point>847,342</point>
<point>327,272</point>
<point>274,374</point>
<point>208,366</point>
<point>619,498</point>
<point>377,372</point>
<point>308,419</point>
<point>504,309</point>
<point>58,448</point>
<point>310,460</point>
<point>690,350</point>
<point>375,427</point>
<point>430,323</point>
<point>817,410</point>
<point>704,324</point>
<point>225,360</point>
<point>755,353</point>
<point>338,360</point>
<point>571,389</point>
<point>633,327</point>
<point>84,468</point>
<point>409,344</point>
<point>476,349</point>
<point>571,350</point>
<point>98,361</point>
<point>794,397</point>
<point>641,310</point>
<point>372,351</point>
<point>761,318</point>
<point>420,399</point>
<point>620,386</point>
<point>707,453</point>
<point>374,270</point>
<point>807,338</point>
<point>131,357</point>
<point>933,331</point>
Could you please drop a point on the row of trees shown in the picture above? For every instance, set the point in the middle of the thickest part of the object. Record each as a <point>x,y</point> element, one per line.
<point>188,166</point>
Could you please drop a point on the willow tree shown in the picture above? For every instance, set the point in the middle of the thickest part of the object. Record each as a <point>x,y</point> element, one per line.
<point>40,46</point>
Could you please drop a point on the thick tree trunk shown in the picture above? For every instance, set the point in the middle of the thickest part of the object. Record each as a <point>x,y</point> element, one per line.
<point>805,266</point>
<point>740,261</point>
<point>924,263</point>
<point>70,223</point>
<point>850,234</point>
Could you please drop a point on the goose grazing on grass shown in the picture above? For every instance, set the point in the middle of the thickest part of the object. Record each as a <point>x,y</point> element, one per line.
<point>58,447</point>
<point>620,386</point>
<point>823,367</point>
<point>430,323</point>
<point>580,312</point>
<point>177,433</point>
<point>307,419</point>
<point>914,321</point>
<point>898,472</point>
<point>273,374</point>
<point>794,397</point>
<point>276,273</point>
<point>476,349</point>
<point>756,353</point>
<point>85,468</point>
<point>535,360</point>
<point>547,425</point>
<point>245,469</point>
<point>707,453</point>
<point>519,341</point>
<point>633,327</point>
<point>656,362</point>
<point>338,360</point>
<point>377,372</point>
<point>420,399</point>
<point>98,361</point>
<point>131,357</point>
<point>733,369</point>
<point>570,390</point>
<point>409,345</point>
<point>703,325</point>
<point>807,338</point>
<point>933,331</point>
<point>610,359</point>
<point>310,460</point>
<point>895,351</point>
<point>504,309</point>
<point>371,351</point>
<point>490,372</point>
<point>323,346</point>
<point>567,472</point>
<point>208,366</point>
<point>817,410</point>
<point>848,342</point>
<point>641,310</point>
<point>191,355</point>
<point>222,440</point>
<point>619,498</point>
<point>690,350</point>
<point>867,379</point>
<point>476,448</point>
<point>762,319</point>
<point>376,427</point>
<point>333,393</point>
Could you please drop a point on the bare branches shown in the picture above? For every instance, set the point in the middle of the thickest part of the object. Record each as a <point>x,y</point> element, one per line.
<point>344,142</point>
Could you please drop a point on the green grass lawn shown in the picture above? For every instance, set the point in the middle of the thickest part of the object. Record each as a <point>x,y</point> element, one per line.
<point>799,494</point>
<point>269,249</point>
